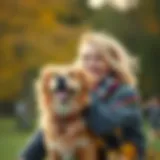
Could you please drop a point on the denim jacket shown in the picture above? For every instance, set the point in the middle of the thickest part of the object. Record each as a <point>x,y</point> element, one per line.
<point>114,105</point>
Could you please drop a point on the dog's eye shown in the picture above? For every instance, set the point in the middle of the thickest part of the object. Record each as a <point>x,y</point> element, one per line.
<point>52,85</point>
<point>54,75</point>
<point>77,86</point>
<point>72,74</point>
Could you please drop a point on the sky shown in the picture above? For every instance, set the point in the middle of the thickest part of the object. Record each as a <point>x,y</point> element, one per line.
<point>122,5</point>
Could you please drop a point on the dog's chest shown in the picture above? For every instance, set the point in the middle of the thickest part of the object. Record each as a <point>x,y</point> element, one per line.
<point>63,122</point>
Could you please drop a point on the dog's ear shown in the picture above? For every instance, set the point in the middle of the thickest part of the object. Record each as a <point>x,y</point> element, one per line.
<point>42,84</point>
<point>46,74</point>
<point>85,78</point>
<point>86,82</point>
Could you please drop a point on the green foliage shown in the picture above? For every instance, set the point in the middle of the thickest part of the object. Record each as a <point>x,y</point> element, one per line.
<point>76,13</point>
<point>31,35</point>
<point>12,141</point>
<point>139,31</point>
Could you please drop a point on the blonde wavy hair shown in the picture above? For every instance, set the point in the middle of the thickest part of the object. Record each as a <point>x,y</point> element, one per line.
<point>122,64</point>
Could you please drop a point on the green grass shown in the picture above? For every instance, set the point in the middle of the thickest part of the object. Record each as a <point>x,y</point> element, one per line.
<point>13,141</point>
<point>155,145</point>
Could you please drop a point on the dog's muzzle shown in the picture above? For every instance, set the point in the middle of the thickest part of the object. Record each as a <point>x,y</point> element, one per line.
<point>61,84</point>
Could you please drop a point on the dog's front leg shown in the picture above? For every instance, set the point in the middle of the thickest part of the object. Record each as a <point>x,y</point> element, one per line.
<point>89,152</point>
<point>53,155</point>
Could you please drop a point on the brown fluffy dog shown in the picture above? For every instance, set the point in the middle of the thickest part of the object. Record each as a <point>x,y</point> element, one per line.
<point>62,93</point>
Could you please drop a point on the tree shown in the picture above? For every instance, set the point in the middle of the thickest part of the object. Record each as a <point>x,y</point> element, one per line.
<point>32,35</point>
<point>139,30</point>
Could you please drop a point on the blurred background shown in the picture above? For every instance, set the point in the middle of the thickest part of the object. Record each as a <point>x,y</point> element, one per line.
<point>36,32</point>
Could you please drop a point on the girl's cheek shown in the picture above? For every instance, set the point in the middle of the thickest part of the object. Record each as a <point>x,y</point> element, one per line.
<point>102,67</point>
<point>95,67</point>
<point>102,70</point>
<point>98,73</point>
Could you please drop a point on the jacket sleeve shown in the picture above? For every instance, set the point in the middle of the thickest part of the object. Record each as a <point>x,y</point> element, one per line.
<point>119,111</point>
<point>35,149</point>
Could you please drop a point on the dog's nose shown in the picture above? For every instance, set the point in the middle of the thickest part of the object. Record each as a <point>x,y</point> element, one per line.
<point>61,83</point>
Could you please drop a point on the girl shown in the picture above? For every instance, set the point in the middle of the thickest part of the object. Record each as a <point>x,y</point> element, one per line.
<point>114,114</point>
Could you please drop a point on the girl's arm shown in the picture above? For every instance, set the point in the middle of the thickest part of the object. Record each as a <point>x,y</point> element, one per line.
<point>35,149</point>
<point>119,111</point>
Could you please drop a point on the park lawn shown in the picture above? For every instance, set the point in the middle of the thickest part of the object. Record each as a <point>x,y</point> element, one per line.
<point>12,141</point>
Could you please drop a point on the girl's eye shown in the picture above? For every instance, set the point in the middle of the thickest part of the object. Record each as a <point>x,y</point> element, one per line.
<point>93,56</point>
<point>98,56</point>
<point>86,57</point>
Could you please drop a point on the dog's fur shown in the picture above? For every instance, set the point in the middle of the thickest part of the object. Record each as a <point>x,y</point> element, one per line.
<point>57,145</point>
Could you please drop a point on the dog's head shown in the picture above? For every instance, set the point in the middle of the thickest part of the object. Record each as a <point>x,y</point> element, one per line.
<point>63,88</point>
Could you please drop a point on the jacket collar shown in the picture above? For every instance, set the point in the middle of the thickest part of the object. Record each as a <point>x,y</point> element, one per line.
<point>106,87</point>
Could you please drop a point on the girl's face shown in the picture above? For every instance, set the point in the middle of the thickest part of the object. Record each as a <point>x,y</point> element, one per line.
<point>93,62</point>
